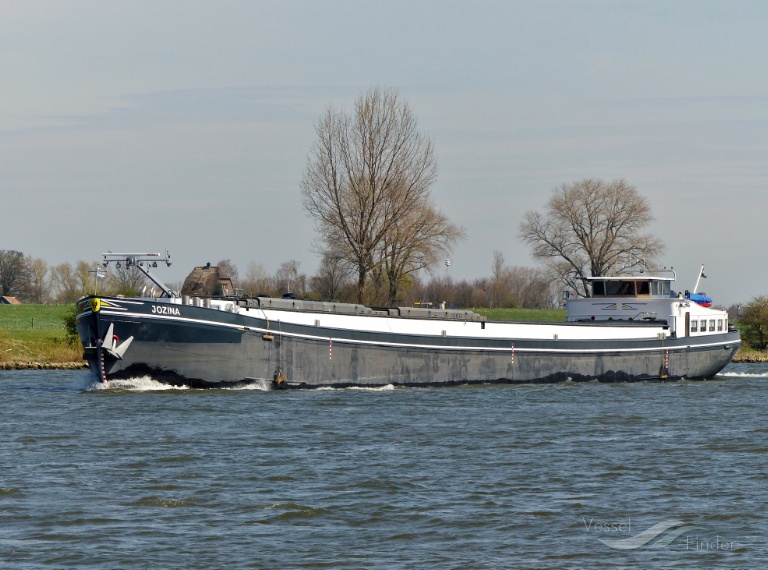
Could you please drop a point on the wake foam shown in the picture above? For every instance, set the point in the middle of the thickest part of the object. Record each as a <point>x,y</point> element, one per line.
<point>744,374</point>
<point>362,388</point>
<point>261,385</point>
<point>138,384</point>
<point>148,384</point>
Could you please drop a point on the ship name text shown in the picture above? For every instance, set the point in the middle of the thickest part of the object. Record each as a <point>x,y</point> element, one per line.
<point>165,310</point>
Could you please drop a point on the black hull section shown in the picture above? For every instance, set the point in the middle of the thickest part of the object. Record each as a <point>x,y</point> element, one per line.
<point>203,347</point>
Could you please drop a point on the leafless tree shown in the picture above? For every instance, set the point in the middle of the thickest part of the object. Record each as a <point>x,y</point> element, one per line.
<point>64,283</point>
<point>440,289</point>
<point>13,272</point>
<point>462,296</point>
<point>499,294</point>
<point>480,296</point>
<point>69,283</point>
<point>228,269</point>
<point>38,287</point>
<point>88,283</point>
<point>591,227</point>
<point>257,281</point>
<point>289,280</point>
<point>126,280</point>
<point>366,173</point>
<point>532,287</point>
<point>420,239</point>
<point>332,278</point>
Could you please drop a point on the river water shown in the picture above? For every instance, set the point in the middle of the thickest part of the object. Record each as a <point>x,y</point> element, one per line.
<point>641,475</point>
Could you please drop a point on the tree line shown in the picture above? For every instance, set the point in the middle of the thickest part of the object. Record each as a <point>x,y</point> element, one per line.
<point>32,280</point>
<point>505,286</point>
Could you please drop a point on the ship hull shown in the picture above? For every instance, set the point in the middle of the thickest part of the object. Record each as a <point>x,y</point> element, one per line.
<point>205,347</point>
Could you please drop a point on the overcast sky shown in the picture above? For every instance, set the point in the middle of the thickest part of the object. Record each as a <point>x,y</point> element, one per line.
<point>186,125</point>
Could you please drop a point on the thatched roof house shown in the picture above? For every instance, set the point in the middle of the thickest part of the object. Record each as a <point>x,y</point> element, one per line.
<point>207,280</point>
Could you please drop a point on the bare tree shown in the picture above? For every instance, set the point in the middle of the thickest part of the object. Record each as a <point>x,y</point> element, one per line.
<point>227,269</point>
<point>591,227</point>
<point>86,277</point>
<point>289,280</point>
<point>463,294</point>
<point>38,287</point>
<point>420,239</point>
<point>531,287</point>
<point>440,289</point>
<point>13,272</point>
<point>499,294</point>
<point>127,280</point>
<point>479,297</point>
<point>257,281</point>
<point>65,284</point>
<point>332,278</point>
<point>366,173</point>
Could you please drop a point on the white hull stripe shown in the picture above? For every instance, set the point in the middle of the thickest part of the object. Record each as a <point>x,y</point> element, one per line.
<point>325,338</point>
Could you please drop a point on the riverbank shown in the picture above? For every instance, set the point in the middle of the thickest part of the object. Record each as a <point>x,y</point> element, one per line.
<point>44,365</point>
<point>748,355</point>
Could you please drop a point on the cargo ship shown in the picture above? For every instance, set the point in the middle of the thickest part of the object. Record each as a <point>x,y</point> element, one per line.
<point>631,328</point>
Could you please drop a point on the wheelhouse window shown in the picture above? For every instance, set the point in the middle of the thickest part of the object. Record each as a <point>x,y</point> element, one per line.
<point>613,288</point>
<point>660,288</point>
<point>629,288</point>
<point>720,325</point>
<point>703,326</point>
<point>712,325</point>
<point>694,326</point>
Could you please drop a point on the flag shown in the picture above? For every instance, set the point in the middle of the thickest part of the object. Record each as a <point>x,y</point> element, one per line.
<point>100,273</point>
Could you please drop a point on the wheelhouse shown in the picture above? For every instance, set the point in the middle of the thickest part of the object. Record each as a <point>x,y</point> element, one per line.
<point>648,299</point>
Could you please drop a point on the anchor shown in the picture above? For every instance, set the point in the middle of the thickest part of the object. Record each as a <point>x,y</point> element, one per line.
<point>109,344</point>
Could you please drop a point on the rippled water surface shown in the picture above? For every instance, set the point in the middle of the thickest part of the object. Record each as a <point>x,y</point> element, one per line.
<point>652,475</point>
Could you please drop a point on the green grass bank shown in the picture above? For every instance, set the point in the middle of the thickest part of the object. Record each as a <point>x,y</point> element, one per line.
<point>34,336</point>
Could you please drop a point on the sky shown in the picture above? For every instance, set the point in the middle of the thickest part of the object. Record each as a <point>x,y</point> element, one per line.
<point>186,125</point>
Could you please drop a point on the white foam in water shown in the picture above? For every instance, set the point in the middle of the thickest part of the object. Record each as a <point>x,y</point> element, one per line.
<point>138,384</point>
<point>744,374</point>
<point>262,385</point>
<point>147,384</point>
<point>363,388</point>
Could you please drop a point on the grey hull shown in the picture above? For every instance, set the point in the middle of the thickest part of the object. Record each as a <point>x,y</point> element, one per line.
<point>209,348</point>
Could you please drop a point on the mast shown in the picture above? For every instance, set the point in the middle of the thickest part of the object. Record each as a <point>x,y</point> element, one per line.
<point>701,274</point>
<point>142,261</point>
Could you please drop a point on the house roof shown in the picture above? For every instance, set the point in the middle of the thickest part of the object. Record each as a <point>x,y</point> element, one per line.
<point>203,280</point>
<point>6,300</point>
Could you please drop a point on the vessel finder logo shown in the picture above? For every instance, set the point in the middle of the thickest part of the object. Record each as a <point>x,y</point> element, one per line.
<point>659,535</point>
